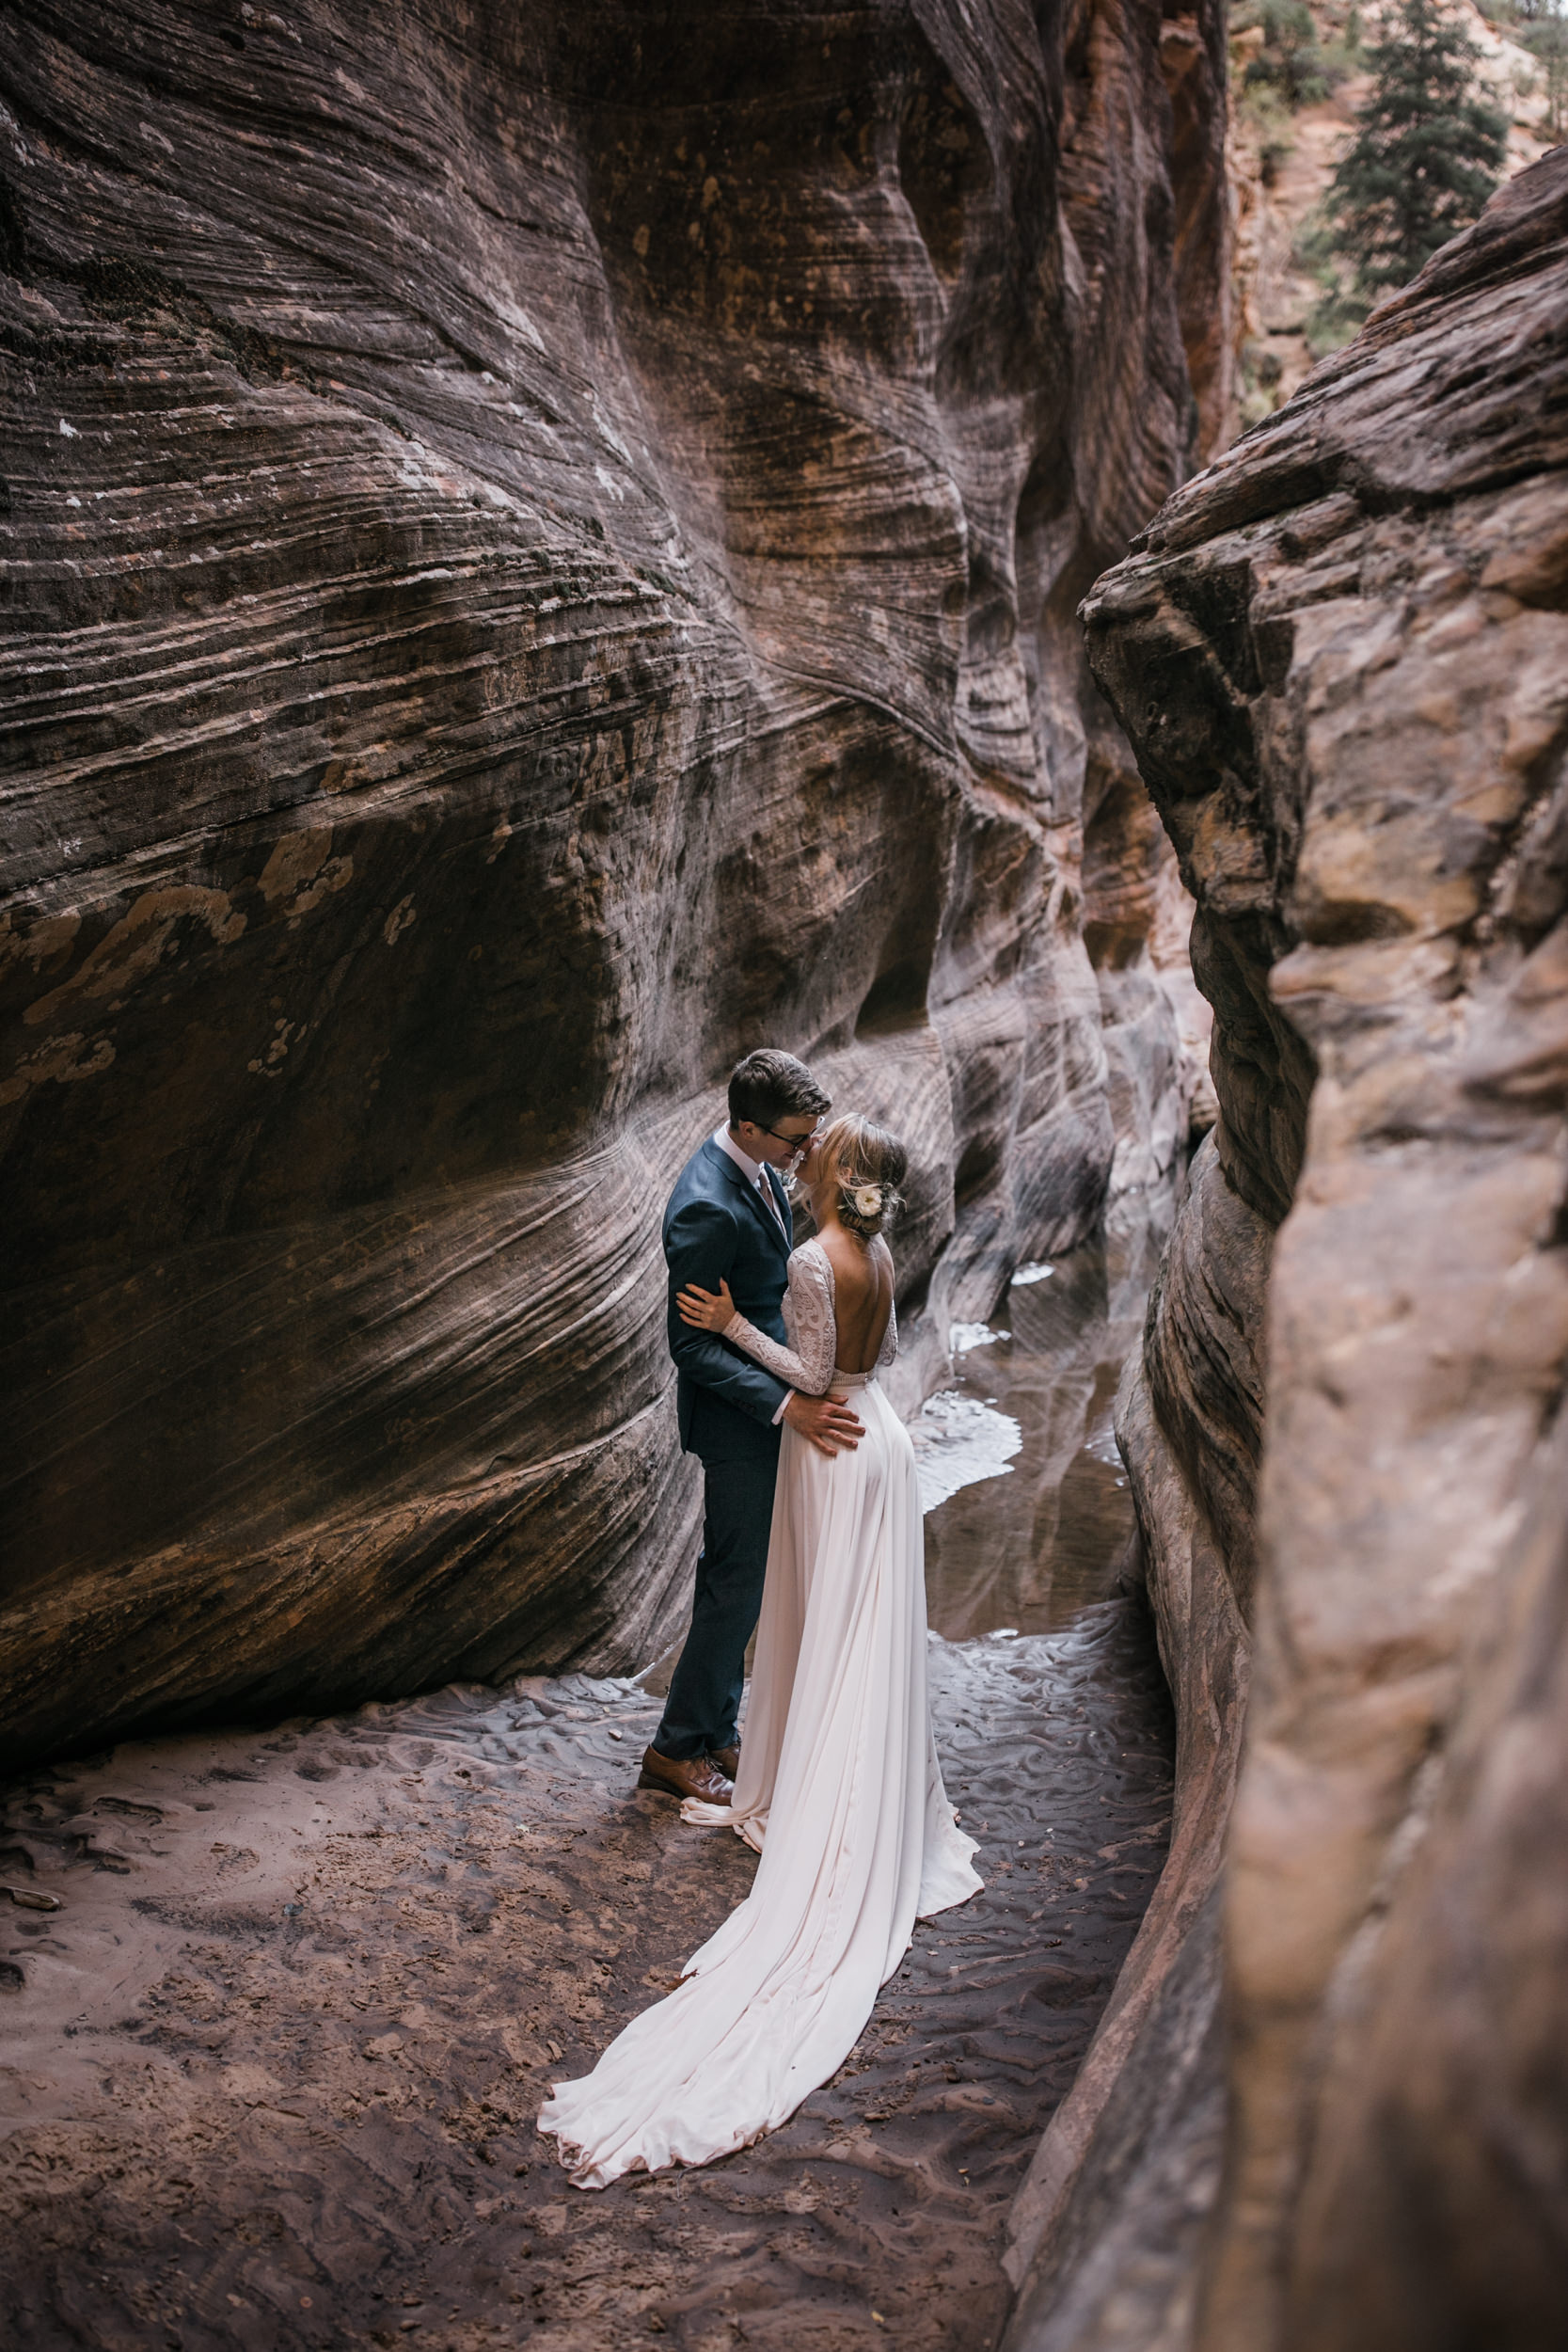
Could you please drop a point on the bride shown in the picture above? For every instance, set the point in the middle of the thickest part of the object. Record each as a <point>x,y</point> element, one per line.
<point>838,1787</point>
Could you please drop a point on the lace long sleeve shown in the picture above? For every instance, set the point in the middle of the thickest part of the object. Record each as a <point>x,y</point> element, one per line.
<point>888,1351</point>
<point>808,1309</point>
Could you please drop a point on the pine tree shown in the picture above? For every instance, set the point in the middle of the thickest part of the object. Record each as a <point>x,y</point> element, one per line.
<point>1544,26</point>
<point>1290,60</point>
<point>1427,152</point>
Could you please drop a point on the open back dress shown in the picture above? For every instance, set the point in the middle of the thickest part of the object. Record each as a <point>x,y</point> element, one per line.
<point>838,1788</point>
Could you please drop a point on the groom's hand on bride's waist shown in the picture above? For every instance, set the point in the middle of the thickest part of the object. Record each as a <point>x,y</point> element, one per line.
<point>824,1422</point>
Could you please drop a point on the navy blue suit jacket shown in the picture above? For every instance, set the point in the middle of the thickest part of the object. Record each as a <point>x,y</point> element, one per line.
<point>715,1226</point>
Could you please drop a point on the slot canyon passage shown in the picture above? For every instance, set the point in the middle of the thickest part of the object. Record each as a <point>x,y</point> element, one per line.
<point>545,548</point>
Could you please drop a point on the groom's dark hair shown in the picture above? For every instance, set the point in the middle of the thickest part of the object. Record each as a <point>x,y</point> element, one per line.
<point>768,1086</point>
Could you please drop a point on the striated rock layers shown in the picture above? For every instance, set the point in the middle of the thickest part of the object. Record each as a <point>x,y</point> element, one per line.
<point>543,545</point>
<point>1343,658</point>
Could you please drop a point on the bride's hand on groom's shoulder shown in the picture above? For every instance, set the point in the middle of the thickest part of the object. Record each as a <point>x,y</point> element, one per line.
<point>704,1310</point>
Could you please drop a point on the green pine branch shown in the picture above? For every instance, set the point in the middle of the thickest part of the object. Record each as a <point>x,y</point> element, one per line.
<point>1427,154</point>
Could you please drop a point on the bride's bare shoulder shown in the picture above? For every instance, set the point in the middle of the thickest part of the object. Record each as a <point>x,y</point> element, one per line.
<point>851,1263</point>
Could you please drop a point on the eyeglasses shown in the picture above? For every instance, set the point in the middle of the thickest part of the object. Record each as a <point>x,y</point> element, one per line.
<point>800,1145</point>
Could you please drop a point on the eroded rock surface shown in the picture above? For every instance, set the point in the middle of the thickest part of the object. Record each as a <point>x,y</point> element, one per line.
<point>1341,655</point>
<point>543,549</point>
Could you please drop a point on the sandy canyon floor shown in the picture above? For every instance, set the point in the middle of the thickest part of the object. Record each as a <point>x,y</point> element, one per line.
<point>271,2069</point>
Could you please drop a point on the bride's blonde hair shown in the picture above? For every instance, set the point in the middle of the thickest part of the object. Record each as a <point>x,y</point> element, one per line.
<point>868,1164</point>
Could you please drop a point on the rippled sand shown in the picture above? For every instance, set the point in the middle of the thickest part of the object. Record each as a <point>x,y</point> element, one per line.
<point>272,2068</point>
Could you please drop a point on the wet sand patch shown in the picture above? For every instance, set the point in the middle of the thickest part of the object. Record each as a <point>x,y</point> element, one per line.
<point>271,2072</point>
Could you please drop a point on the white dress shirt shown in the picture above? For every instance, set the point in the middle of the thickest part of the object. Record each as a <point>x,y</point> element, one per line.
<point>752,1171</point>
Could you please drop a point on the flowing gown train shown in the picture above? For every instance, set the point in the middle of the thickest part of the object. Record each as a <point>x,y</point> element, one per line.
<point>839,1788</point>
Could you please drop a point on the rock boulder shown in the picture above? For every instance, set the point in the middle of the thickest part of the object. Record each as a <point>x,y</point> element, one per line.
<point>1341,655</point>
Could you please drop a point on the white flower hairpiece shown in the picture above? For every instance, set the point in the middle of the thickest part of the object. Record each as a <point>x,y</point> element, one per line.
<point>867,1200</point>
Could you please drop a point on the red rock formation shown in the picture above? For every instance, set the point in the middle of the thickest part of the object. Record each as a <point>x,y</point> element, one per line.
<point>543,549</point>
<point>1343,658</point>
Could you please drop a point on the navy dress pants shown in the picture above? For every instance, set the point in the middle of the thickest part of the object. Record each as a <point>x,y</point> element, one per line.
<point>737,1516</point>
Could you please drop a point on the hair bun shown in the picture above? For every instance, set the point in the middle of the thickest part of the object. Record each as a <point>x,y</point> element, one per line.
<point>868,1164</point>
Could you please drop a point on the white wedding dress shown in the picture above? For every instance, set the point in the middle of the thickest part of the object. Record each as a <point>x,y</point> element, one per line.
<point>839,1790</point>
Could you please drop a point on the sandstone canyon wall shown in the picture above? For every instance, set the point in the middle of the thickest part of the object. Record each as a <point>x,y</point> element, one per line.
<point>1343,658</point>
<point>543,549</point>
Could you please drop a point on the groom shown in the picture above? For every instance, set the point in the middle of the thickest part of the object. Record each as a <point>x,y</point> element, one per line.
<point>729,1216</point>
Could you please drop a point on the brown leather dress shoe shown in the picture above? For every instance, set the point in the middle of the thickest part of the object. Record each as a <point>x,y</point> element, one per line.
<point>727,1760</point>
<point>685,1776</point>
